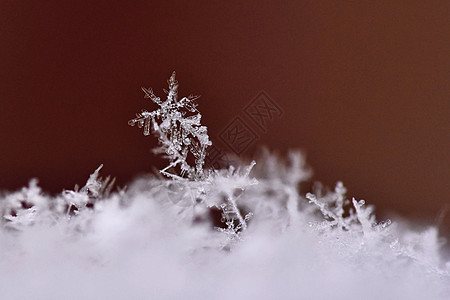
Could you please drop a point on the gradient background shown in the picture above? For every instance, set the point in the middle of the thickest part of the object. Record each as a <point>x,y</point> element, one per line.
<point>364,86</point>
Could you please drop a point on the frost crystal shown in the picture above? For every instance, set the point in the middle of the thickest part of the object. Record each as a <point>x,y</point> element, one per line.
<point>176,123</point>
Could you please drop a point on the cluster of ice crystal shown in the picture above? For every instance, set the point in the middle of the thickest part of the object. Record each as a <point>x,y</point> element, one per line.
<point>244,233</point>
<point>25,207</point>
<point>176,123</point>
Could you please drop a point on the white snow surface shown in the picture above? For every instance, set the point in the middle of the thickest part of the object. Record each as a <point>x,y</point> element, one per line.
<point>157,239</point>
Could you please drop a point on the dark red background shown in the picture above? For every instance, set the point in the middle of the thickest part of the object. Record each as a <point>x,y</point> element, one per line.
<point>364,86</point>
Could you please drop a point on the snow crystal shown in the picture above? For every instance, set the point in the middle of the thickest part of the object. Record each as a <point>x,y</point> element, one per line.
<point>178,133</point>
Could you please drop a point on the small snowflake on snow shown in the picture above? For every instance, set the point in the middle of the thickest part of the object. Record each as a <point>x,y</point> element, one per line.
<point>176,123</point>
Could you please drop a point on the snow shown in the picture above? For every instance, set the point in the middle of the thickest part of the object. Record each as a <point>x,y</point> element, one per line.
<point>245,232</point>
<point>139,243</point>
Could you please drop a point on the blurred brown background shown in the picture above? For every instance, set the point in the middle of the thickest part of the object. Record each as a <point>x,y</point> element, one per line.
<point>364,86</point>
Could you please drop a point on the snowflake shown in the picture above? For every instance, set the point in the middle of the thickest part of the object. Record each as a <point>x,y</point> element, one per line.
<point>176,123</point>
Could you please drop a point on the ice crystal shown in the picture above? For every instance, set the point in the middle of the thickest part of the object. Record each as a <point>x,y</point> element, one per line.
<point>176,123</point>
<point>19,209</point>
<point>76,200</point>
